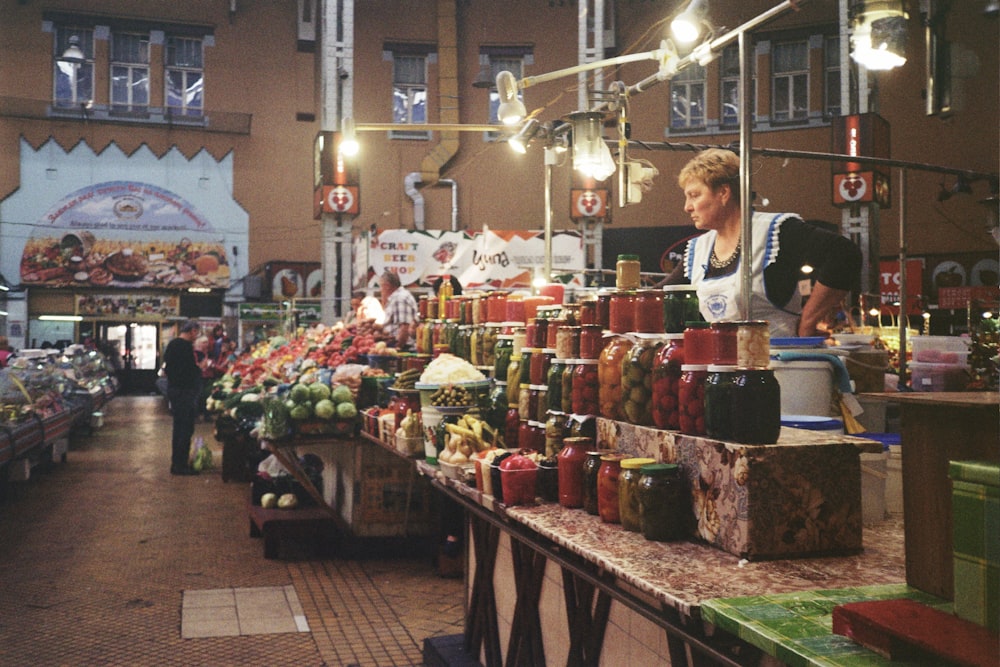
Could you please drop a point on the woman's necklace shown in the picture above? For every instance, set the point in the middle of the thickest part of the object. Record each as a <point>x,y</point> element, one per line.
<point>717,263</point>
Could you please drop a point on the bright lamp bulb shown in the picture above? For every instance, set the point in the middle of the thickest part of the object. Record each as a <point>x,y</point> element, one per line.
<point>879,36</point>
<point>687,25</point>
<point>511,110</point>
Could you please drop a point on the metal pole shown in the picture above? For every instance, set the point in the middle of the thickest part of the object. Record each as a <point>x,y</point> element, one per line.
<point>903,317</point>
<point>550,158</point>
<point>746,192</point>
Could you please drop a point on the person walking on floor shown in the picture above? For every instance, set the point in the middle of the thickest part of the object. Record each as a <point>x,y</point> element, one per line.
<point>183,392</point>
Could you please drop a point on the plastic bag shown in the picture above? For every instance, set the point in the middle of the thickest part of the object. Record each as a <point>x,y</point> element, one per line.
<point>201,455</point>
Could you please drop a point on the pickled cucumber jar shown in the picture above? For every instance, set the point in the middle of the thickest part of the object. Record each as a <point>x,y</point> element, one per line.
<point>513,380</point>
<point>664,502</point>
<point>719,422</point>
<point>628,497</point>
<point>637,378</point>
<point>666,381</point>
<point>567,385</point>
<point>451,335</point>
<point>497,405</point>
<point>691,398</point>
<point>502,352</point>
<point>556,430</point>
<point>756,405</point>
<point>610,377</point>
<point>490,334</point>
<point>526,354</point>
<point>680,306</point>
<point>591,466</point>
<point>476,344</point>
<point>554,382</point>
<point>463,342</point>
<point>586,387</point>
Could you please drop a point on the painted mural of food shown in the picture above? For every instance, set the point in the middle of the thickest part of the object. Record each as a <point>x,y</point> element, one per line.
<point>445,252</point>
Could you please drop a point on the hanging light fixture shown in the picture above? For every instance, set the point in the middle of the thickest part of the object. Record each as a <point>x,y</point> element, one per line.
<point>511,109</point>
<point>73,53</point>
<point>686,27</point>
<point>879,34</point>
<point>591,155</point>
<point>519,142</point>
<point>485,77</point>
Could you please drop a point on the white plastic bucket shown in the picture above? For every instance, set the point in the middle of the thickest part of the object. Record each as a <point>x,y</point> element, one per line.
<point>806,387</point>
<point>430,418</point>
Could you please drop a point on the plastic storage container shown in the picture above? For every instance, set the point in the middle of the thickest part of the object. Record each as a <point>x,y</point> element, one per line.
<point>938,377</point>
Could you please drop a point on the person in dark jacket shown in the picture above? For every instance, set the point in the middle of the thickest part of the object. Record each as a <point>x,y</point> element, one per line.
<point>183,390</point>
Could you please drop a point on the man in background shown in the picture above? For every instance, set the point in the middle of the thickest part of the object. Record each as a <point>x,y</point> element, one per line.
<point>401,312</point>
<point>183,391</point>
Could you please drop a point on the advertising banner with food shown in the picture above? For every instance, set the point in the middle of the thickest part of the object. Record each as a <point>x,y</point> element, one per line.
<point>489,259</point>
<point>124,234</point>
<point>132,306</point>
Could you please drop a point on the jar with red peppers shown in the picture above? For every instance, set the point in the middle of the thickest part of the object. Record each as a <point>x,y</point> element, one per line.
<point>511,426</point>
<point>588,311</point>
<point>621,313</point>
<point>586,387</point>
<point>610,377</point>
<point>591,341</point>
<point>698,343</point>
<point>571,458</point>
<point>666,381</point>
<point>649,311</point>
<point>691,398</point>
<point>607,488</point>
<point>637,378</point>
<point>724,343</point>
<point>566,396</point>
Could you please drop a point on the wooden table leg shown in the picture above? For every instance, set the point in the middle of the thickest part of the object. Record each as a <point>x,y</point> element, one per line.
<point>587,621</point>
<point>481,630</point>
<point>525,646</point>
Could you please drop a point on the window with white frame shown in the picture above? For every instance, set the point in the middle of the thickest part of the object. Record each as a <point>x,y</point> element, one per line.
<point>184,76</point>
<point>129,72</point>
<point>831,77</point>
<point>73,70</point>
<point>687,98</point>
<point>729,87</point>
<point>409,94</point>
<point>790,81</point>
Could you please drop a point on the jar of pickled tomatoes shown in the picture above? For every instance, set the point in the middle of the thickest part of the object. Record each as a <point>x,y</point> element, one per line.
<point>698,343</point>
<point>666,382</point>
<point>607,488</point>
<point>586,387</point>
<point>591,341</point>
<point>621,313</point>
<point>649,311</point>
<point>691,398</point>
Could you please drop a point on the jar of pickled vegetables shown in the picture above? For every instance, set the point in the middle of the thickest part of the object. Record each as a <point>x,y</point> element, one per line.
<point>610,377</point>
<point>542,404</point>
<point>591,466</point>
<point>524,407</point>
<point>664,502</point>
<point>607,488</point>
<point>568,341</point>
<point>520,339</point>
<point>621,313</point>
<point>698,343</point>
<point>586,387</point>
<point>511,427</point>
<point>541,359</point>
<point>604,308</point>
<point>531,436</point>
<point>691,398</point>
<point>591,341</point>
<point>666,381</point>
<point>463,342</point>
<point>566,396</point>
<point>490,334</point>
<point>637,378</point>
<point>526,354</point>
<point>588,311</point>
<point>583,426</point>
<point>628,496</point>
<point>756,405</point>
<point>723,343</point>
<point>476,344</point>
<point>719,402</point>
<point>571,458</point>
<point>753,344</point>
<point>513,380</point>
<point>552,333</point>
<point>680,306</point>
<point>649,311</point>
<point>502,351</point>
<point>497,405</point>
<point>556,430</point>
<point>554,384</point>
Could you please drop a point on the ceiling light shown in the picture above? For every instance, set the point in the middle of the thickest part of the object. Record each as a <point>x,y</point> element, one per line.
<point>60,318</point>
<point>879,35</point>
<point>511,109</point>
<point>591,155</point>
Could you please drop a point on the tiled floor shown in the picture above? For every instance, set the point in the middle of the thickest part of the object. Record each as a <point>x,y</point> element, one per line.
<point>107,559</point>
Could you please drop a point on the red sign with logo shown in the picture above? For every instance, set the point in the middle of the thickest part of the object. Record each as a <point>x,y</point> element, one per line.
<point>890,281</point>
<point>861,188</point>
<point>341,199</point>
<point>588,203</point>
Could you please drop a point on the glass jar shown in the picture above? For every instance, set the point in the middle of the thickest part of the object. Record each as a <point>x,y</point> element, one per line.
<point>524,407</point>
<point>496,307</point>
<point>664,502</point>
<point>502,353</point>
<point>526,354</point>
<point>756,405</point>
<point>513,379</point>
<point>719,402</point>
<point>511,428</point>
<point>723,343</point>
<point>568,341</point>
<point>425,310</point>
<point>464,342</point>
<point>537,430</point>
<point>627,272</point>
<point>666,381</point>
<point>698,343</point>
<point>637,378</point>
<point>591,466</point>
<point>476,344</point>
<point>542,405</point>
<point>548,479</point>
<point>621,313</point>
<point>497,412</point>
<point>490,334</point>
<point>529,333</point>
<point>583,426</point>
<point>753,344</point>
<point>588,311</point>
<point>525,435</point>
<point>649,311</point>
<point>419,337</point>
<point>514,310</point>
<point>571,458</point>
<point>610,377</point>
<point>566,395</point>
<point>628,497</point>
<point>554,384</point>
<point>541,332</point>
<point>680,306</point>
<point>591,341</point>
<point>607,488</point>
<point>691,398</point>
<point>556,430</point>
<point>586,387</point>
<point>604,308</point>
<point>541,358</point>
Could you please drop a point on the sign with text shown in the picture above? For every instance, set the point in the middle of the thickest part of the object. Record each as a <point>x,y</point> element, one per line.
<point>890,282</point>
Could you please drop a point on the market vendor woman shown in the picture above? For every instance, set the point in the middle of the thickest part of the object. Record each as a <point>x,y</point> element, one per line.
<point>782,244</point>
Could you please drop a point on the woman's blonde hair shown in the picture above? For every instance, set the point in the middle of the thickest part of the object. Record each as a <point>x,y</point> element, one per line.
<point>713,167</point>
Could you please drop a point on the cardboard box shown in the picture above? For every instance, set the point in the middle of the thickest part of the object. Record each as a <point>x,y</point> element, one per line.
<point>799,497</point>
<point>975,504</point>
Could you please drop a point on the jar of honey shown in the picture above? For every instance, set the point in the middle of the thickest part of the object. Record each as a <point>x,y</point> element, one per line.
<point>627,272</point>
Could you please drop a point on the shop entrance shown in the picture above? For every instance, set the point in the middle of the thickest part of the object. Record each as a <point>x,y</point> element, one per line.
<point>139,349</point>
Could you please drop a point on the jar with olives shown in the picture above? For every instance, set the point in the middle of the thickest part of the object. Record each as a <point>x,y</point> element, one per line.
<point>628,498</point>
<point>610,377</point>
<point>586,387</point>
<point>637,378</point>
<point>719,401</point>
<point>664,502</point>
<point>691,398</point>
<point>666,381</point>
